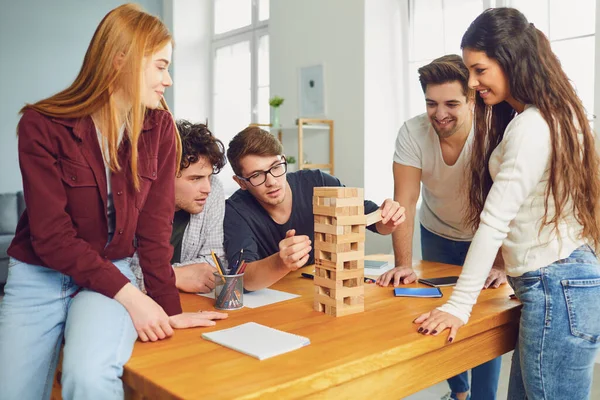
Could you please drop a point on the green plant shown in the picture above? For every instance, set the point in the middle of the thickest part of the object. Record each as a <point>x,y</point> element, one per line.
<point>291,160</point>
<point>275,101</point>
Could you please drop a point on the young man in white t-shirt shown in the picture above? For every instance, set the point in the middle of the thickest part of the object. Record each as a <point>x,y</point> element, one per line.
<point>432,151</point>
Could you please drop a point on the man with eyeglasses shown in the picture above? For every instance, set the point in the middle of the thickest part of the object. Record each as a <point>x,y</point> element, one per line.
<point>199,210</point>
<point>271,217</point>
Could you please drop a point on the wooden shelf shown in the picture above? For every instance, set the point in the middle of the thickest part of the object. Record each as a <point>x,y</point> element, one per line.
<point>312,123</point>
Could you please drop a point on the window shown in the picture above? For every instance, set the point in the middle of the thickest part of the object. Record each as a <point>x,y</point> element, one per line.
<point>240,70</point>
<point>436,28</point>
<point>571,31</point>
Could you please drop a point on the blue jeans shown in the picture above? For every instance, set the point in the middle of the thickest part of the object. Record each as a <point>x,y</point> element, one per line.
<point>559,331</point>
<point>42,306</point>
<point>484,378</point>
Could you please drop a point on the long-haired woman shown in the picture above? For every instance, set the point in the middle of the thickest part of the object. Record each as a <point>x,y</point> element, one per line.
<point>98,162</point>
<point>535,191</point>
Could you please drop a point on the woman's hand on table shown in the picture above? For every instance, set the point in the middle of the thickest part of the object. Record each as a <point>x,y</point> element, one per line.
<point>436,321</point>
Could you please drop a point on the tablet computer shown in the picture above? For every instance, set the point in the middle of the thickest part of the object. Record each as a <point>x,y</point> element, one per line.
<point>417,292</point>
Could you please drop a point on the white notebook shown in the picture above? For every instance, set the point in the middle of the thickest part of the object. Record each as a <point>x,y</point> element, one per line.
<point>257,340</point>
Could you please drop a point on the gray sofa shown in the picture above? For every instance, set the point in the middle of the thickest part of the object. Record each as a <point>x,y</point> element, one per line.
<point>11,208</point>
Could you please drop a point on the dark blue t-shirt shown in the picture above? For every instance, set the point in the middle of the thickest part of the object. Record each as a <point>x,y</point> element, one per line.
<point>248,226</point>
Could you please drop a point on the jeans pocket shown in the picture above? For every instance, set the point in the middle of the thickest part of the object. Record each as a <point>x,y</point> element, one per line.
<point>582,296</point>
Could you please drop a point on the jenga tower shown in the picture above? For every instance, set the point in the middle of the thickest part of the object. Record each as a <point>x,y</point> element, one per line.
<point>339,250</point>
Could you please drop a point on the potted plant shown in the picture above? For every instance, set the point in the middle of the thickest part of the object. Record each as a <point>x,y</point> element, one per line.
<point>291,164</point>
<point>275,102</point>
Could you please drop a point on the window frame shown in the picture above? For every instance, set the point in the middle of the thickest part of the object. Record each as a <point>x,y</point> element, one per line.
<point>251,33</point>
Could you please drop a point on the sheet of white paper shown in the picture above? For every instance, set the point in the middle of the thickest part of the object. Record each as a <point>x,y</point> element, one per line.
<point>377,271</point>
<point>260,298</point>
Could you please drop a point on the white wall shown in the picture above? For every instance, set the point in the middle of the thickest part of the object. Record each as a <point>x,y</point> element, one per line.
<point>311,32</point>
<point>42,44</point>
<point>386,48</point>
<point>190,21</point>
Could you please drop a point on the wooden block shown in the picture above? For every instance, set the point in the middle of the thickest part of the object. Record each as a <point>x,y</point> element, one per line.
<point>323,201</point>
<point>349,238</point>
<point>346,310</point>
<point>349,201</point>
<point>341,293</point>
<point>318,306</point>
<point>328,283</point>
<point>323,219</point>
<point>347,256</point>
<point>328,264</point>
<point>350,220</point>
<point>332,229</point>
<point>333,247</point>
<point>328,301</point>
<point>373,217</point>
<point>332,211</point>
<point>354,300</point>
<point>353,265</point>
<point>329,191</point>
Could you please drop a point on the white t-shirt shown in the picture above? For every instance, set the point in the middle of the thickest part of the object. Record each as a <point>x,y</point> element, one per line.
<point>443,186</point>
<point>513,212</point>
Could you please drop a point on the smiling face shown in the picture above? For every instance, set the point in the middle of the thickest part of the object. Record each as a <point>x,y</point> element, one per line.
<point>273,191</point>
<point>448,109</point>
<point>487,77</point>
<point>192,187</point>
<point>156,77</point>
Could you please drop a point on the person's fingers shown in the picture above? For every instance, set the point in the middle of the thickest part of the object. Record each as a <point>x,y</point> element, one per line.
<point>290,233</point>
<point>386,211</point>
<point>210,285</point>
<point>488,282</point>
<point>142,335</point>
<point>421,318</point>
<point>438,329</point>
<point>397,277</point>
<point>285,244</point>
<point>452,335</point>
<point>150,334</point>
<point>166,327</point>
<point>385,278</point>
<point>410,278</point>
<point>300,262</point>
<point>213,315</point>
<point>397,218</point>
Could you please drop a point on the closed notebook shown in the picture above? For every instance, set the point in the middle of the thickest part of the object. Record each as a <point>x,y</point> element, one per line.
<point>417,292</point>
<point>438,282</point>
<point>257,340</point>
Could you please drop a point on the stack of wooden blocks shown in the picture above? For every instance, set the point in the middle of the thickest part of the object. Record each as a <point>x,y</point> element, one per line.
<point>339,250</point>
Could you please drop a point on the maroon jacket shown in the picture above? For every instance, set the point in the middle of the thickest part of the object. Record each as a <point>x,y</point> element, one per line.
<point>65,227</point>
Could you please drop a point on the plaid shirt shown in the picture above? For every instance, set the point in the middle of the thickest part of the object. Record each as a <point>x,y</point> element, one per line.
<point>203,234</point>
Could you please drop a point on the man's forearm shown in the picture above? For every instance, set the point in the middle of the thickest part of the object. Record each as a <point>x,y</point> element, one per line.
<point>263,273</point>
<point>402,239</point>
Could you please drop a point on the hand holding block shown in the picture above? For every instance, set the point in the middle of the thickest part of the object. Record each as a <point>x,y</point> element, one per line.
<point>373,217</point>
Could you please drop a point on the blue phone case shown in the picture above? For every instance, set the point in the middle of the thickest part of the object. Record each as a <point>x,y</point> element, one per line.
<point>418,292</point>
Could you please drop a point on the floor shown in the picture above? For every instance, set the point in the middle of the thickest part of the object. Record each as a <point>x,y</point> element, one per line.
<point>437,391</point>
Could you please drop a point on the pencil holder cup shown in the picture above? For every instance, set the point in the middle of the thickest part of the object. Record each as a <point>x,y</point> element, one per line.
<point>229,291</point>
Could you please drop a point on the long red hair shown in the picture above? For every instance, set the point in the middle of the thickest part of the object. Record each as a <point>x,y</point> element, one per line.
<point>127,34</point>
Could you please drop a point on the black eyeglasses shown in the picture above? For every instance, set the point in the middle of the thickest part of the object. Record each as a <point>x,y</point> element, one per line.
<point>260,177</point>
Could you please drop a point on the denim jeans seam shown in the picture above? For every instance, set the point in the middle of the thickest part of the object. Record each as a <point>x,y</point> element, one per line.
<point>121,344</point>
<point>547,326</point>
<point>52,371</point>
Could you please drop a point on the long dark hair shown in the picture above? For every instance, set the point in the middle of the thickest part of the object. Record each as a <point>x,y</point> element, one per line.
<point>535,77</point>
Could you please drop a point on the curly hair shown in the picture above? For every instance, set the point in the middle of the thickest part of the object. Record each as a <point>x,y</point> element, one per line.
<point>197,141</point>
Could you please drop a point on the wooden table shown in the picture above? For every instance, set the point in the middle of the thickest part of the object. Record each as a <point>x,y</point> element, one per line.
<point>375,353</point>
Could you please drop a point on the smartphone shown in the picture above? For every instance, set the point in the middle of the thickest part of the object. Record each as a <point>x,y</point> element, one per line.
<point>417,292</point>
<point>438,282</point>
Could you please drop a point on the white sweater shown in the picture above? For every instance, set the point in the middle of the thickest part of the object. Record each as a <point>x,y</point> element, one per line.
<point>513,212</point>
